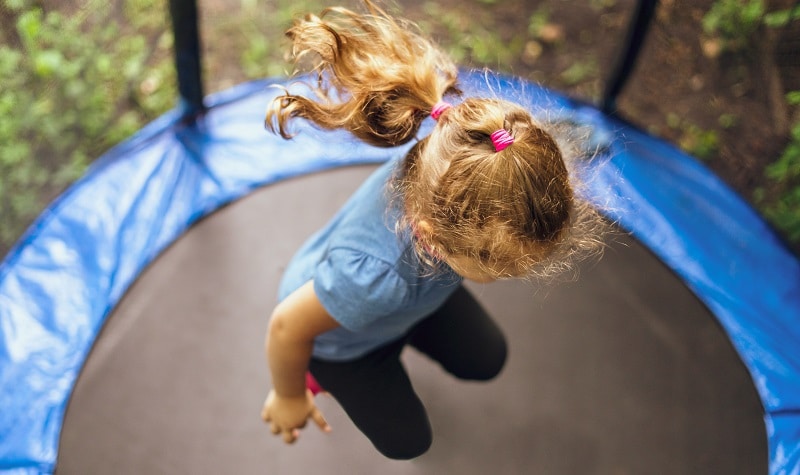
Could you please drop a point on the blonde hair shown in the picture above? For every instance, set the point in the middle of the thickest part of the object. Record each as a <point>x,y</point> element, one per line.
<point>376,77</point>
<point>508,213</point>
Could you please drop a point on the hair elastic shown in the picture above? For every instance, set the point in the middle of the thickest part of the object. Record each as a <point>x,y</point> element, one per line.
<point>439,109</point>
<point>501,139</point>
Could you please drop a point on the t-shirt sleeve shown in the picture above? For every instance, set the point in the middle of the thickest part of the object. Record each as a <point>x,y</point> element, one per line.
<point>357,289</point>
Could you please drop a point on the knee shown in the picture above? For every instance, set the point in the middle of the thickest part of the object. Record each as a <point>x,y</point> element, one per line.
<point>487,368</point>
<point>405,441</point>
<point>407,449</point>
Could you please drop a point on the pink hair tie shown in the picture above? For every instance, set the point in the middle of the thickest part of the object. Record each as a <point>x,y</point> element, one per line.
<point>501,139</point>
<point>439,109</point>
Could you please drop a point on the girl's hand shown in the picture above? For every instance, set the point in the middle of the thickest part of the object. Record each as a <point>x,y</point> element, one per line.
<point>287,415</point>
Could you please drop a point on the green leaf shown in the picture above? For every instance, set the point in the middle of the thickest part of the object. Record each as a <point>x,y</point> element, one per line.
<point>781,18</point>
<point>14,153</point>
<point>47,62</point>
<point>29,25</point>
<point>10,60</point>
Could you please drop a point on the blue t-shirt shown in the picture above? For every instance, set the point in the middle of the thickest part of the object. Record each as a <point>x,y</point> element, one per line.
<point>366,276</point>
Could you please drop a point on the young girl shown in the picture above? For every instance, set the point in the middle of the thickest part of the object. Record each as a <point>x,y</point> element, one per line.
<point>487,195</point>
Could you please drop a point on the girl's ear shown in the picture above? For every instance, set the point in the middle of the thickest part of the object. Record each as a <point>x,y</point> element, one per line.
<point>424,227</point>
<point>423,230</point>
<point>424,233</point>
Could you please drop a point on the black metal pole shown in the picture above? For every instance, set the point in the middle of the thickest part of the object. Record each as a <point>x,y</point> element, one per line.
<point>640,23</point>
<point>187,55</point>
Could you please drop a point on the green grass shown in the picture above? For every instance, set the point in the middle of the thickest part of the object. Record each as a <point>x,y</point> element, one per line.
<point>74,84</point>
<point>782,206</point>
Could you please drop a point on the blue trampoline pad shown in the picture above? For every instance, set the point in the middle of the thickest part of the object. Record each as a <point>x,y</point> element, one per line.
<point>620,343</point>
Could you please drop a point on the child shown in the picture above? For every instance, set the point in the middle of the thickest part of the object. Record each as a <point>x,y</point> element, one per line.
<point>487,195</point>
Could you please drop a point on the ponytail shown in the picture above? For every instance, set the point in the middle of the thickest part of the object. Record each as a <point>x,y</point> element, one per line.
<point>375,76</point>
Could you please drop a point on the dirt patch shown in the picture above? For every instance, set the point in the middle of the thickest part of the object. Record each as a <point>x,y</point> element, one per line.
<point>729,95</point>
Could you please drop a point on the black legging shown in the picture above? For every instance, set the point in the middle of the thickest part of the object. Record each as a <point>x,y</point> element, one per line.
<point>375,390</point>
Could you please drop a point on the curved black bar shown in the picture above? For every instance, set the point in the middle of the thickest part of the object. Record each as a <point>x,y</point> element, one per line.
<point>187,55</point>
<point>637,31</point>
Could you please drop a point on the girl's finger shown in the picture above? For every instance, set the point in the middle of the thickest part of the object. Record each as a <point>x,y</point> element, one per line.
<point>320,420</point>
<point>274,428</point>
<point>290,435</point>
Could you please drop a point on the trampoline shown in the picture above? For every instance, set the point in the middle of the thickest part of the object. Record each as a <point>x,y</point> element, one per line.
<point>132,313</point>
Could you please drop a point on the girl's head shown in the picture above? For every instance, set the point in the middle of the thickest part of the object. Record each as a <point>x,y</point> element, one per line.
<point>488,214</point>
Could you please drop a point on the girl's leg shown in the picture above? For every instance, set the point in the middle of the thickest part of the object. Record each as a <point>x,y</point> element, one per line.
<point>463,338</point>
<point>376,393</point>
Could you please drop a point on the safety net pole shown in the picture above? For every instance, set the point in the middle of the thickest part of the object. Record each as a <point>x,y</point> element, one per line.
<point>187,55</point>
<point>639,24</point>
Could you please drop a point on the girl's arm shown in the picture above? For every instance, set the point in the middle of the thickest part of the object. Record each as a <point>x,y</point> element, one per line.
<point>290,338</point>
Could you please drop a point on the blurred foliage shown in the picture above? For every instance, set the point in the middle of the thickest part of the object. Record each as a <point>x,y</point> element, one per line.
<point>75,81</point>
<point>256,28</point>
<point>782,208</point>
<point>703,144</point>
<point>735,24</point>
<point>470,39</point>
